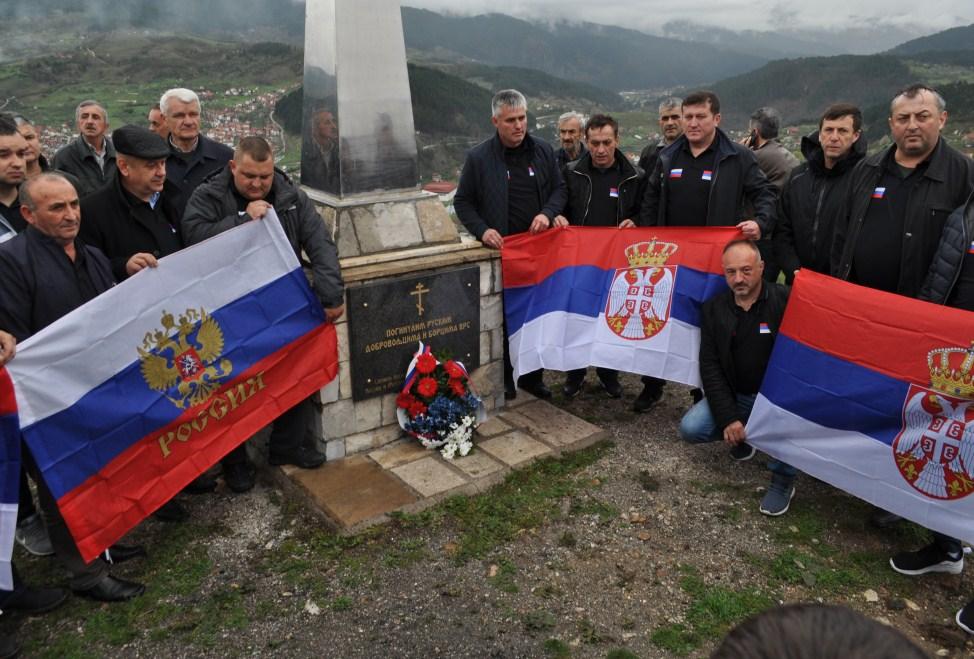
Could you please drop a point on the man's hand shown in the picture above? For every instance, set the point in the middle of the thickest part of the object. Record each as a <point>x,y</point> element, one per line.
<point>140,261</point>
<point>540,223</point>
<point>561,221</point>
<point>8,347</point>
<point>734,433</point>
<point>750,229</point>
<point>258,209</point>
<point>627,224</point>
<point>492,238</point>
<point>334,313</point>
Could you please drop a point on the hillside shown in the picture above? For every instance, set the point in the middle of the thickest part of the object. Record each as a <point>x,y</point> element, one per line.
<point>957,38</point>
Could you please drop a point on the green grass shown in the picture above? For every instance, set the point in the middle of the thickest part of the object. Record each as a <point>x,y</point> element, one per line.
<point>504,579</point>
<point>557,648</point>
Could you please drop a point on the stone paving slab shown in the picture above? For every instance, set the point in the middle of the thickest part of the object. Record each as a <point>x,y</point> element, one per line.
<point>361,490</point>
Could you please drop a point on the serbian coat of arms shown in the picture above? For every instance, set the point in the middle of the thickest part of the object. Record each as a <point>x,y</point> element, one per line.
<point>935,449</point>
<point>182,360</point>
<point>640,295</point>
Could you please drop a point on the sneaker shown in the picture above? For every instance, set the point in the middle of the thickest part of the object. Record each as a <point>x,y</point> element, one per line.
<point>742,451</point>
<point>965,618</point>
<point>647,398</point>
<point>572,386</point>
<point>778,497</point>
<point>239,476</point>
<point>303,456</point>
<point>929,559</point>
<point>31,534</point>
<point>612,388</point>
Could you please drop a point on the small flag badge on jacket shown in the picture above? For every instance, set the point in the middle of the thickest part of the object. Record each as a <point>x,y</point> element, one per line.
<point>764,329</point>
<point>879,193</point>
<point>676,173</point>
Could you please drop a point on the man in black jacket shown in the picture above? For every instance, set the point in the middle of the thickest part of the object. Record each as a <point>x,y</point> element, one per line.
<point>13,172</point>
<point>193,157</point>
<point>670,129</point>
<point>510,184</point>
<point>703,179</point>
<point>815,194</point>
<point>90,157</point>
<point>45,273</point>
<point>245,191</point>
<point>737,332</point>
<point>604,190</point>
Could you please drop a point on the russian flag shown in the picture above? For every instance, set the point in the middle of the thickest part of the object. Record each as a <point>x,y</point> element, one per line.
<point>130,397</point>
<point>627,299</point>
<point>9,476</point>
<point>676,173</point>
<point>879,193</point>
<point>970,250</point>
<point>872,392</point>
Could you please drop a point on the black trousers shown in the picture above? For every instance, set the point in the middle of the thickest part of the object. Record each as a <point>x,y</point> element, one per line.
<point>605,374</point>
<point>529,379</point>
<point>288,434</point>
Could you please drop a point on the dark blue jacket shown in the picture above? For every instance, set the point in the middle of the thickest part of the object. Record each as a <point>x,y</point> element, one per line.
<point>481,198</point>
<point>186,174</point>
<point>956,239</point>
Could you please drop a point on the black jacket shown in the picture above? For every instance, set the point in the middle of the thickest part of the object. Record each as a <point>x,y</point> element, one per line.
<point>38,284</point>
<point>213,209</point>
<point>186,173</point>
<point>110,222</point>
<point>810,202</point>
<point>579,183</point>
<point>76,158</point>
<point>736,177</point>
<point>563,158</point>
<point>649,155</point>
<point>481,198</point>
<point>946,183</point>
<point>956,239</point>
<point>717,324</point>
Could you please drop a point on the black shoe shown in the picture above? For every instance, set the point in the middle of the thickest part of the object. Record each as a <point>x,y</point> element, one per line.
<point>204,484</point>
<point>239,476</point>
<point>171,511</point>
<point>929,559</point>
<point>742,452</point>
<point>122,553</point>
<point>965,617</point>
<point>537,389</point>
<point>649,396</point>
<point>572,386</point>
<point>112,589</point>
<point>612,388</point>
<point>883,519</point>
<point>510,394</point>
<point>34,600</point>
<point>9,647</point>
<point>303,456</point>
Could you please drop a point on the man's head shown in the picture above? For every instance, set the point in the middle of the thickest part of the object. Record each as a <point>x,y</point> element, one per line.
<point>839,128</point>
<point>602,137</point>
<point>157,122</point>
<point>743,268</point>
<point>33,137</point>
<point>510,117</point>
<point>181,108</point>
<point>916,116</point>
<point>13,153</point>
<point>570,132</point>
<point>671,119</point>
<point>253,168</point>
<point>701,116</point>
<point>141,160</point>
<point>92,120</point>
<point>766,122</point>
<point>324,128</point>
<point>50,203</point>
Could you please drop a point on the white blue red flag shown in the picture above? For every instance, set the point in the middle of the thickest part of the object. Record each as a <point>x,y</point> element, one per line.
<point>627,299</point>
<point>9,476</point>
<point>130,397</point>
<point>873,393</point>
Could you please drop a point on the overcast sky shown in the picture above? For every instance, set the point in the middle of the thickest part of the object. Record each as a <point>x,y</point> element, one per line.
<point>649,15</point>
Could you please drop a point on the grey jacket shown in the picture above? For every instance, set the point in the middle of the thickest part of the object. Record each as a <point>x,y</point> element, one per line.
<point>76,158</point>
<point>212,209</point>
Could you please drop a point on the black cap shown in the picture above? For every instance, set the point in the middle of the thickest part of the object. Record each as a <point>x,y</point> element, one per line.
<point>139,142</point>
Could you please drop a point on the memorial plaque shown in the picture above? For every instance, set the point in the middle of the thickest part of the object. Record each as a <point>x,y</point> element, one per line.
<point>388,319</point>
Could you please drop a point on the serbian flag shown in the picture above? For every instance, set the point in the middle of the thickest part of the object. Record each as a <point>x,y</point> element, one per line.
<point>130,397</point>
<point>627,299</point>
<point>9,477</point>
<point>872,392</point>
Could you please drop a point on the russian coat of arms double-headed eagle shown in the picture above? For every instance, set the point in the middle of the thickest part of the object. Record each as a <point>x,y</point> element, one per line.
<point>935,449</point>
<point>182,360</point>
<point>640,295</point>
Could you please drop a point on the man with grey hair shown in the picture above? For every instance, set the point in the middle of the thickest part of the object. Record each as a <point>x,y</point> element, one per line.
<point>510,183</point>
<point>670,129</point>
<point>773,158</point>
<point>193,157</point>
<point>90,157</point>
<point>570,126</point>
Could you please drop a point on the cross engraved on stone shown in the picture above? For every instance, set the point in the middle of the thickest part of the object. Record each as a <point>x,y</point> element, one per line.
<point>418,292</point>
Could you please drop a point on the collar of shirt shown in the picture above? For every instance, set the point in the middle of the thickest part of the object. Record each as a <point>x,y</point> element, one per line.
<point>154,199</point>
<point>196,143</point>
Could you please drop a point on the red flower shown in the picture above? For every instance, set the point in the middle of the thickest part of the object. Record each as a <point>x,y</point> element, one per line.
<point>426,363</point>
<point>426,387</point>
<point>405,399</point>
<point>456,386</point>
<point>416,409</point>
<point>453,369</point>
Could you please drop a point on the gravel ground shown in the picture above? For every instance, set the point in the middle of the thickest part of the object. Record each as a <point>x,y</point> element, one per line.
<point>654,549</point>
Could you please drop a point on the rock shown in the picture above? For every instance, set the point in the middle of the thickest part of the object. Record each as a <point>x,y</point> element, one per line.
<point>871,595</point>
<point>644,536</point>
<point>943,652</point>
<point>492,571</point>
<point>895,604</point>
<point>312,608</point>
<point>911,605</point>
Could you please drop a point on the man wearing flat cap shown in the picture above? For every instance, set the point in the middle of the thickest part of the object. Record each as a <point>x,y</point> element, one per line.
<point>131,219</point>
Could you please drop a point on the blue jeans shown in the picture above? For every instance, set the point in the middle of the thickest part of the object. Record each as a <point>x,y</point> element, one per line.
<point>698,426</point>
